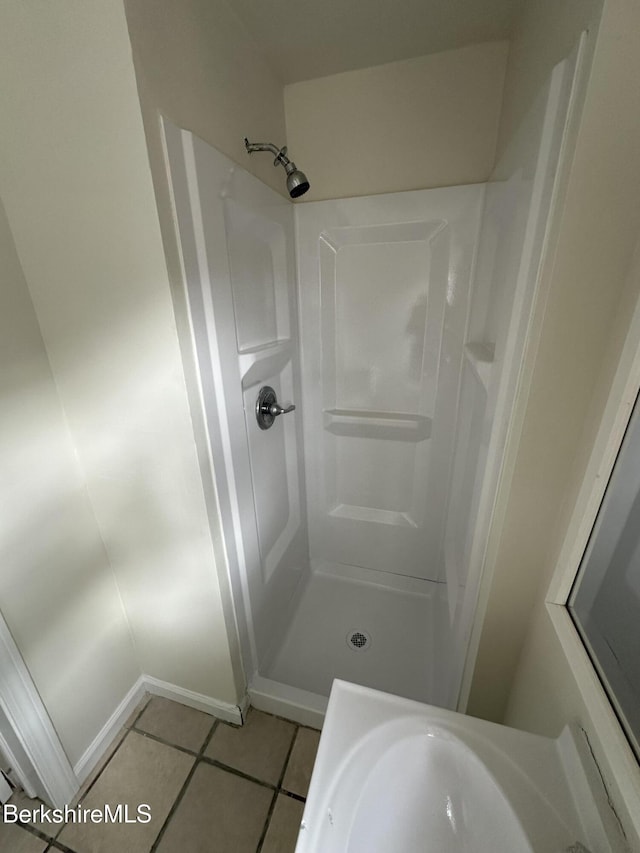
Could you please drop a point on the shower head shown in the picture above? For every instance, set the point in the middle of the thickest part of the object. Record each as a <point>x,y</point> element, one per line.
<point>297,182</point>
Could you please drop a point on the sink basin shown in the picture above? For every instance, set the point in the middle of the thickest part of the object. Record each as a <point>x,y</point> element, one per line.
<point>397,776</point>
<point>439,790</point>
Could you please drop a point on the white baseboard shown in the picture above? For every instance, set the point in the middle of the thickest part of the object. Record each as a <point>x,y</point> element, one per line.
<point>301,706</point>
<point>101,742</point>
<point>148,684</point>
<point>222,710</point>
<point>244,706</point>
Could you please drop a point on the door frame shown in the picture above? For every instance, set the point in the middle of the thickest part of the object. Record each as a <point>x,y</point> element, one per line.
<point>622,770</point>
<point>27,735</point>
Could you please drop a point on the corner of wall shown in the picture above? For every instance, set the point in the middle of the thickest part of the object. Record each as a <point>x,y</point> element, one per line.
<point>197,65</point>
<point>97,277</point>
<point>420,123</point>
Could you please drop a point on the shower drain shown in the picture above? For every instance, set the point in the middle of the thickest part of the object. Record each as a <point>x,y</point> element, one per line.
<point>358,640</point>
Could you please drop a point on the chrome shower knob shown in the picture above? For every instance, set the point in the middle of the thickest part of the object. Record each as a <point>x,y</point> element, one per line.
<point>268,408</point>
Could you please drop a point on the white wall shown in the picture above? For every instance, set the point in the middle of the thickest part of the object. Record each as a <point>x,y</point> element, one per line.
<point>531,504</point>
<point>75,178</point>
<point>581,331</point>
<point>544,34</point>
<point>199,67</point>
<point>418,124</point>
<point>57,592</point>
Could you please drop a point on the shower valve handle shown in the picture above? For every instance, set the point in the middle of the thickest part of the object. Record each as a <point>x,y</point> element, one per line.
<point>276,409</point>
<point>268,408</point>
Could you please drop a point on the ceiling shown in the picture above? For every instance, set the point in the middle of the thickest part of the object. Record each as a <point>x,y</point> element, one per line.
<point>303,39</point>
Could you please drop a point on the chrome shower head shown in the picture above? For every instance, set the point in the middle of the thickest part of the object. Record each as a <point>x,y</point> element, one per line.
<point>297,182</point>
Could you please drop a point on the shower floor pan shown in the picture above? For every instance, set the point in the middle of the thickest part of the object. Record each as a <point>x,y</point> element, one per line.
<point>370,628</point>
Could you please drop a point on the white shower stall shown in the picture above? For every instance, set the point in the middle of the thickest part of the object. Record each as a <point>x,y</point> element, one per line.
<point>355,527</point>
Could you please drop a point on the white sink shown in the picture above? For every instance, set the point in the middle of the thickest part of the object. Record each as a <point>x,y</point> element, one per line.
<point>396,776</point>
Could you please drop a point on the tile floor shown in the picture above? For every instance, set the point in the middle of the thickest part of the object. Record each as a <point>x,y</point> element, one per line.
<point>212,787</point>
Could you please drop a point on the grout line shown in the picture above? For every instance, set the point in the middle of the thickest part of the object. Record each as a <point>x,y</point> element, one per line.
<point>200,758</point>
<point>289,751</point>
<point>164,742</point>
<point>267,821</point>
<point>310,728</point>
<point>140,713</point>
<point>127,729</point>
<point>133,727</point>
<point>58,845</point>
<point>174,807</point>
<point>183,790</point>
<point>52,838</point>
<point>214,729</point>
<point>107,763</point>
<point>213,762</point>
<point>278,717</point>
<point>293,796</point>
<point>33,830</point>
<point>284,720</point>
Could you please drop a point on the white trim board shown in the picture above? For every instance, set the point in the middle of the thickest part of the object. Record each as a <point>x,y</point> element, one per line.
<point>5,790</point>
<point>620,776</point>
<point>24,773</point>
<point>622,768</point>
<point>39,758</point>
<point>222,710</point>
<point>301,706</point>
<point>99,745</point>
<point>615,419</point>
<point>148,684</point>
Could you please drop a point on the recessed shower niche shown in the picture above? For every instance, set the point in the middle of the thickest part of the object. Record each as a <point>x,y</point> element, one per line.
<point>395,324</point>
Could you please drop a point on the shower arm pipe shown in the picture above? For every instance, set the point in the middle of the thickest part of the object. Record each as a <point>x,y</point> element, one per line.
<point>297,181</point>
<point>280,153</point>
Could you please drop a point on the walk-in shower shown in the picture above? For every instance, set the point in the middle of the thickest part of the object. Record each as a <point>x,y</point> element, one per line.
<point>393,327</point>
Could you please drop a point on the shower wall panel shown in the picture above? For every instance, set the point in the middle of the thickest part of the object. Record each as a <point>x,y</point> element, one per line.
<point>513,241</point>
<point>237,241</point>
<point>384,286</point>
